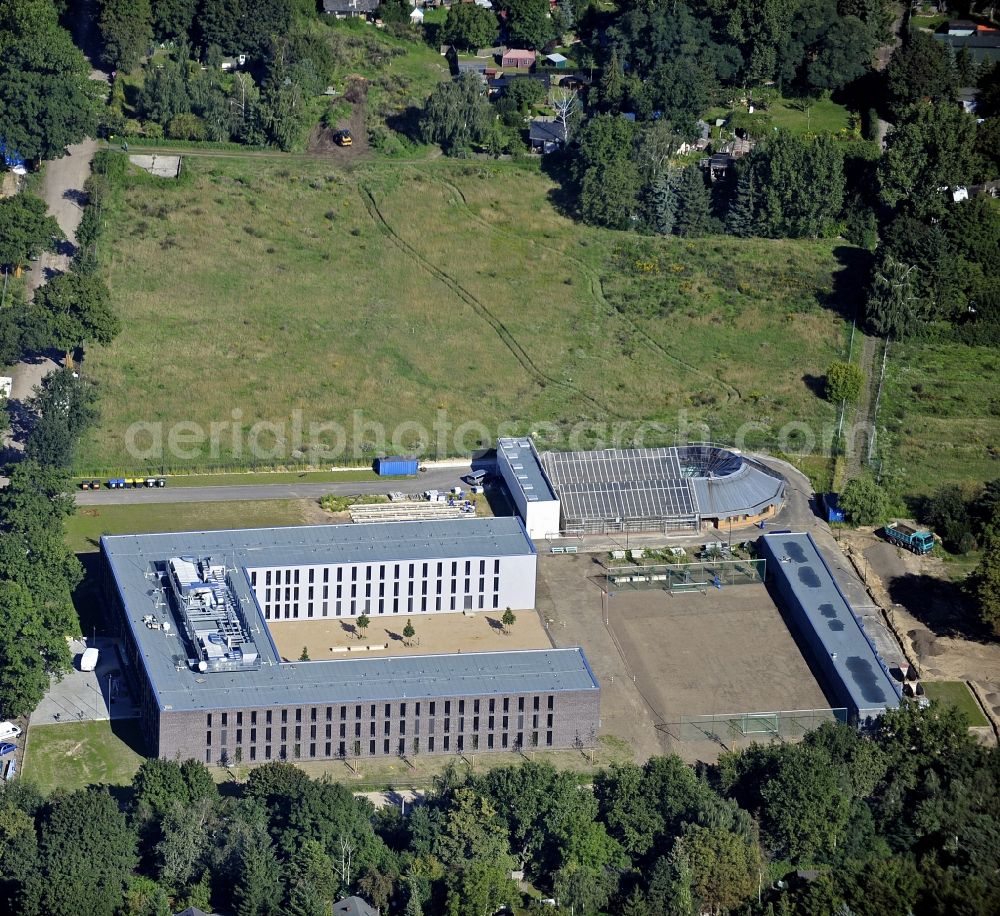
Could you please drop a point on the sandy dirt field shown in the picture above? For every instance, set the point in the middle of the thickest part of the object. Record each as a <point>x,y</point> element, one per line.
<point>435,633</point>
<point>727,651</point>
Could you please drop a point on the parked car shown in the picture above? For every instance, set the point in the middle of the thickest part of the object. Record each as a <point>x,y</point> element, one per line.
<point>7,748</point>
<point>343,138</point>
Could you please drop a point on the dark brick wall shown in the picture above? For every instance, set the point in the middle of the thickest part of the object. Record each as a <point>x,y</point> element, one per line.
<point>455,727</point>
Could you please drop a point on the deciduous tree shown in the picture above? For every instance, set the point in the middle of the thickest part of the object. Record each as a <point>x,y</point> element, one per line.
<point>126,28</point>
<point>47,99</point>
<point>864,501</point>
<point>26,229</point>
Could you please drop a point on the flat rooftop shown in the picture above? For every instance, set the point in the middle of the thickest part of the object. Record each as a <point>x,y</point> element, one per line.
<point>527,467</point>
<point>796,559</point>
<point>311,545</point>
<point>138,566</point>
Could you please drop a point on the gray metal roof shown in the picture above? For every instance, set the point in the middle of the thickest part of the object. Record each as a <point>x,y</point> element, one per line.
<point>796,560</point>
<point>659,483</point>
<point>527,467</point>
<point>353,906</point>
<point>137,564</point>
<point>305,545</point>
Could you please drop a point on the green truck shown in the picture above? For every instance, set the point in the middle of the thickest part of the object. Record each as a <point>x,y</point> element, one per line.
<point>920,542</point>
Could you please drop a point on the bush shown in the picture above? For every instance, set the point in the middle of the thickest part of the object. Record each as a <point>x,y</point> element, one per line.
<point>186,127</point>
<point>864,501</point>
<point>844,382</point>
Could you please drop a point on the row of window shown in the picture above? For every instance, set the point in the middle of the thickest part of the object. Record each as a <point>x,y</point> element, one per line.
<point>379,606</point>
<point>291,576</point>
<point>389,710</point>
<point>313,731</point>
<point>356,748</point>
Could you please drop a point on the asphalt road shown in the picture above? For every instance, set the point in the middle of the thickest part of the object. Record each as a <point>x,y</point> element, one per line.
<point>433,479</point>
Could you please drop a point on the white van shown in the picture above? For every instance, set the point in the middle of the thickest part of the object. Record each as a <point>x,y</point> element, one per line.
<point>88,659</point>
<point>9,730</point>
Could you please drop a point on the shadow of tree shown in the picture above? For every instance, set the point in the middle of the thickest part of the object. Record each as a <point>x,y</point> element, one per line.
<point>816,384</point>
<point>846,295</point>
<point>938,604</point>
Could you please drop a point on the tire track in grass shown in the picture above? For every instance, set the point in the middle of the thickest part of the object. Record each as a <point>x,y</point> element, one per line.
<point>597,291</point>
<point>506,337</point>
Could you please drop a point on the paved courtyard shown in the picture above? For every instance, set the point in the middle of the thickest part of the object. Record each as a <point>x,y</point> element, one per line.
<point>88,695</point>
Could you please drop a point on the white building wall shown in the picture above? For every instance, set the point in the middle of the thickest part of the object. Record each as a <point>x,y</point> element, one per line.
<point>443,586</point>
<point>540,516</point>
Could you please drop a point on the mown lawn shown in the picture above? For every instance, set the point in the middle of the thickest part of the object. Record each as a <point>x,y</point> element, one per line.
<point>85,528</point>
<point>73,755</point>
<point>941,410</point>
<point>956,693</point>
<point>821,116</point>
<point>395,298</point>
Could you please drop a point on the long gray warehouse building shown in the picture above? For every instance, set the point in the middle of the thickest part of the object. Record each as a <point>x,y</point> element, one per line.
<point>192,609</point>
<point>853,674</point>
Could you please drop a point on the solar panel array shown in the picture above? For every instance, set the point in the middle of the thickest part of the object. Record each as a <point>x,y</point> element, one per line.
<point>644,483</point>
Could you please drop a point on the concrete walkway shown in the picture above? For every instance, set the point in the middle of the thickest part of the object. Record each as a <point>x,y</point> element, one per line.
<point>434,479</point>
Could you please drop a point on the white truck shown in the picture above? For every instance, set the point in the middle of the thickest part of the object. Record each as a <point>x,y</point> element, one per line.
<point>9,730</point>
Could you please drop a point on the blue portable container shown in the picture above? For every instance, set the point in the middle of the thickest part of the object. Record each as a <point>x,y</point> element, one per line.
<point>396,466</point>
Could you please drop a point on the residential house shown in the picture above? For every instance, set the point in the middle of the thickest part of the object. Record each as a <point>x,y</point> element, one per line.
<point>961,27</point>
<point>983,45</point>
<point>353,906</point>
<point>350,9</point>
<point>546,136</point>
<point>968,98</point>
<point>500,82</point>
<point>518,59</point>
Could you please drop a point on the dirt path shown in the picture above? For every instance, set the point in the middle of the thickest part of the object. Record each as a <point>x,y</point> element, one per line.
<point>883,54</point>
<point>927,611</point>
<point>859,433</point>
<point>62,191</point>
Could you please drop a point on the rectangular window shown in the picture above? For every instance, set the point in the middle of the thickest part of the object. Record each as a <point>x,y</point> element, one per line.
<point>430,744</point>
<point>447,742</point>
<point>208,739</point>
<point>225,719</point>
<point>385,746</point>
<point>371,748</point>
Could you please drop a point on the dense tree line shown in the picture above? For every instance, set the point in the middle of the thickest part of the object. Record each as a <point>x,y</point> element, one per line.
<point>47,99</point>
<point>900,819</point>
<point>37,572</point>
<point>185,94</point>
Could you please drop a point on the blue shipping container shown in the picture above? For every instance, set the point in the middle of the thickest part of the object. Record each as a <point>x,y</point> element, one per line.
<point>396,466</point>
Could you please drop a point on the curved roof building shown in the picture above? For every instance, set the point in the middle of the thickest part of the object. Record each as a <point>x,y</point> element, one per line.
<point>643,489</point>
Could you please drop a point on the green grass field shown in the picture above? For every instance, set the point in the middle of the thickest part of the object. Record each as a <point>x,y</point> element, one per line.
<point>74,755</point>
<point>399,295</point>
<point>942,416</point>
<point>822,116</point>
<point>84,529</point>
<point>956,693</point>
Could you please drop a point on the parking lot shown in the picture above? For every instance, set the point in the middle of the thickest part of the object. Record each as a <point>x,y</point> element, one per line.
<point>88,695</point>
